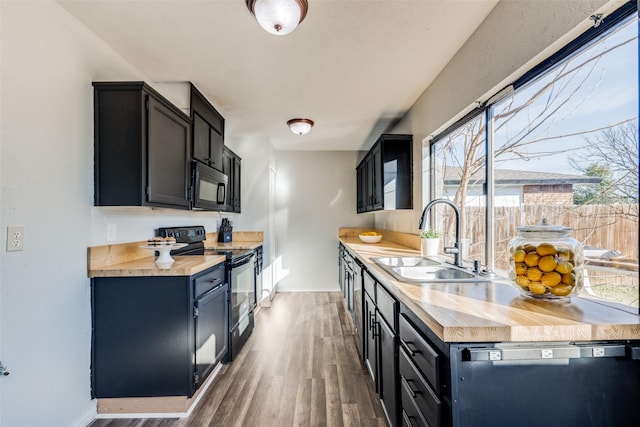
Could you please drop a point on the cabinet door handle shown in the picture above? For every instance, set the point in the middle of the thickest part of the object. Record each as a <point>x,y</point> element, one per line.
<point>411,349</point>
<point>372,321</point>
<point>407,386</point>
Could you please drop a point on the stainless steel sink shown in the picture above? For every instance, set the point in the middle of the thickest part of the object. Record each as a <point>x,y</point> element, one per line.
<point>405,261</point>
<point>425,270</point>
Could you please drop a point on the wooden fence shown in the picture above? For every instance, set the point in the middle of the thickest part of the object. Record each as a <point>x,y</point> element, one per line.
<point>611,227</point>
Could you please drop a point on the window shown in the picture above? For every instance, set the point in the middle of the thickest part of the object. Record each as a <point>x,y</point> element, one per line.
<point>564,147</point>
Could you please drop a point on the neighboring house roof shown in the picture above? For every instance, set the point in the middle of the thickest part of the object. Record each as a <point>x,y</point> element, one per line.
<point>518,177</point>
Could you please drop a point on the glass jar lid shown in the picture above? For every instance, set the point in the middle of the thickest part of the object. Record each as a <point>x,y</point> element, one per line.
<point>544,227</point>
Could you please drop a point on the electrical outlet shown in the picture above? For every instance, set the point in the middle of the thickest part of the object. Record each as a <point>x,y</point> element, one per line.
<point>15,238</point>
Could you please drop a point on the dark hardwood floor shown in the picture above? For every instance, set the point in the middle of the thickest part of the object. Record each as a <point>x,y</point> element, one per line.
<point>299,368</point>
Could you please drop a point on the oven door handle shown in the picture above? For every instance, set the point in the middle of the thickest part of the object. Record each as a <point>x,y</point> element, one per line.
<point>242,261</point>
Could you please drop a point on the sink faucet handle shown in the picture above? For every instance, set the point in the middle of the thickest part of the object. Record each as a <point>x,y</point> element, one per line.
<point>451,250</point>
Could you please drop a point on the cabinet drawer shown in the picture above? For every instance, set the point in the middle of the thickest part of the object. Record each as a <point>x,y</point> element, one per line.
<point>423,355</point>
<point>416,393</point>
<point>208,281</point>
<point>387,306</point>
<point>370,285</point>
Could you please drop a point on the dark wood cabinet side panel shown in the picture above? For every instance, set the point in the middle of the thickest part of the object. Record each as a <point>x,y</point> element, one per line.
<point>141,337</point>
<point>119,164</point>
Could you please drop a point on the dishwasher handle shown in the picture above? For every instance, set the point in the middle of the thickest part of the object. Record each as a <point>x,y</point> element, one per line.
<point>542,352</point>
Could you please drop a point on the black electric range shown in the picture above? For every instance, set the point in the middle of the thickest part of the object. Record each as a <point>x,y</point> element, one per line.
<point>240,271</point>
<point>194,237</point>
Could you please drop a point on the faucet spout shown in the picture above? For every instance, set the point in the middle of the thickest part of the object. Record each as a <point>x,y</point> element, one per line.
<point>457,259</point>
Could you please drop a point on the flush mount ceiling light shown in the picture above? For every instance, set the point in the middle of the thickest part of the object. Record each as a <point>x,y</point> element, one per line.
<point>278,16</point>
<point>300,126</point>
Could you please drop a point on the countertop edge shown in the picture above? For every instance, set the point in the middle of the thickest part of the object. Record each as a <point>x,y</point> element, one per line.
<point>493,331</point>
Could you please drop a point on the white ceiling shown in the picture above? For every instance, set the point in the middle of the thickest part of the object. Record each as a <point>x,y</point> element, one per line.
<point>352,66</point>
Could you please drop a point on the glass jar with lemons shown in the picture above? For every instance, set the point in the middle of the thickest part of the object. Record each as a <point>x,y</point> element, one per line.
<point>545,262</point>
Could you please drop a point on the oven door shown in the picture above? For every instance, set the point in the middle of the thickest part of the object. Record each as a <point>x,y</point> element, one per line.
<point>242,276</point>
<point>209,187</point>
<point>243,286</point>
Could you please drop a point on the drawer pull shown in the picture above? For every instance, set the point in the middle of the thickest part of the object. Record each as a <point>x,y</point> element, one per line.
<point>407,419</point>
<point>411,349</point>
<point>407,386</point>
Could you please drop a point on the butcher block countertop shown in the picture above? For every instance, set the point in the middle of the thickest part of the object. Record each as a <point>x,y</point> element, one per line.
<point>490,311</point>
<point>130,260</point>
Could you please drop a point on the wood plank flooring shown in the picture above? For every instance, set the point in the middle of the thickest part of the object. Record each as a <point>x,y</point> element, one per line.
<point>300,367</point>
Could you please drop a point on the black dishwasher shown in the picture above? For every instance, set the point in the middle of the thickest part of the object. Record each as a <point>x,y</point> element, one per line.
<point>546,384</point>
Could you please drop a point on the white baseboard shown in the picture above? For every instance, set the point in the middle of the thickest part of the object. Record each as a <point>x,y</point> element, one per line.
<point>87,416</point>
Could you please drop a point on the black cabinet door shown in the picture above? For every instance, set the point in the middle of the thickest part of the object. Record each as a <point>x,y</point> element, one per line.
<point>208,131</point>
<point>211,329</point>
<point>232,168</point>
<point>388,371</point>
<point>362,188</point>
<point>376,170</point>
<point>371,343</point>
<point>200,139</point>
<point>236,185</point>
<point>216,147</point>
<point>168,156</point>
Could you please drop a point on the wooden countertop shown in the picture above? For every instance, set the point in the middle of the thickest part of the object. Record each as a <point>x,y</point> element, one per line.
<point>130,260</point>
<point>183,266</point>
<point>495,311</point>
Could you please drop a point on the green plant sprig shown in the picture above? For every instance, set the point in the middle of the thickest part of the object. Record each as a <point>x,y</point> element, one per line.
<point>430,233</point>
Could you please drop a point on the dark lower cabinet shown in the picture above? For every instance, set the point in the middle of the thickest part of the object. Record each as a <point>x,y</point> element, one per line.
<point>423,381</point>
<point>157,336</point>
<point>381,353</point>
<point>142,148</point>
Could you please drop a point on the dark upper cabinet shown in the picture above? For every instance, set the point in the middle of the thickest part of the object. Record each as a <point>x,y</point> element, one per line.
<point>142,148</point>
<point>232,168</point>
<point>208,131</point>
<point>385,175</point>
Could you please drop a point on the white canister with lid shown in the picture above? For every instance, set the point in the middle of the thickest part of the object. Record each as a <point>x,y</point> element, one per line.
<point>545,262</point>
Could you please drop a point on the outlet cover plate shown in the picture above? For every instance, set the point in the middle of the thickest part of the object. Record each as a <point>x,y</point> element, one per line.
<point>15,238</point>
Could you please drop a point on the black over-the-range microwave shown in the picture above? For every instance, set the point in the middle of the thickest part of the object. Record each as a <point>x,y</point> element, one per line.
<point>209,188</point>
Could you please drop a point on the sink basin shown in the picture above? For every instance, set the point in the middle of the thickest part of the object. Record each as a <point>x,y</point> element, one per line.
<point>405,261</point>
<point>425,270</point>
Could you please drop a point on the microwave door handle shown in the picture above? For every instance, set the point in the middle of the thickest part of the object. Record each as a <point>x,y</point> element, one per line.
<point>221,196</point>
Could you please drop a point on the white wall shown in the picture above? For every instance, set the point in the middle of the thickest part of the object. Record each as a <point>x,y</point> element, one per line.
<point>516,35</point>
<point>316,195</point>
<point>48,63</point>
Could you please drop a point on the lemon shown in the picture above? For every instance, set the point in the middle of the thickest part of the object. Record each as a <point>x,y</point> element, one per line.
<point>537,288</point>
<point>569,279</point>
<point>531,259</point>
<point>520,268</point>
<point>518,256</point>
<point>561,290</point>
<point>566,255</point>
<point>564,267</point>
<point>522,281</point>
<point>547,263</point>
<point>534,274</point>
<point>545,249</point>
<point>551,279</point>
